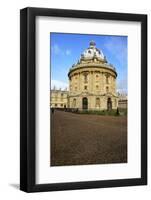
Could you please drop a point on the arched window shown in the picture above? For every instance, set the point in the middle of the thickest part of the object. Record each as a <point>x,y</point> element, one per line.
<point>85,103</point>
<point>74,103</point>
<point>107,79</point>
<point>61,96</point>
<point>85,87</point>
<point>97,102</point>
<point>109,104</point>
<point>85,78</point>
<point>107,89</point>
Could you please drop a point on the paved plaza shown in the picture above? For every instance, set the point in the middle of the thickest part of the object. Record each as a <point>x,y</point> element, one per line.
<point>78,139</point>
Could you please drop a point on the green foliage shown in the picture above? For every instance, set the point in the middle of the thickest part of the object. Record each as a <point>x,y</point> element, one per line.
<point>104,112</point>
<point>98,112</point>
<point>123,111</point>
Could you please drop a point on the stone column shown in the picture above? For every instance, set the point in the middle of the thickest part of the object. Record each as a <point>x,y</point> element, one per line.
<point>79,81</point>
<point>92,81</point>
<point>101,83</point>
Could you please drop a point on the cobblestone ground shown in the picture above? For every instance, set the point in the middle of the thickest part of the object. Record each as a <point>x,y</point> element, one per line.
<point>78,139</point>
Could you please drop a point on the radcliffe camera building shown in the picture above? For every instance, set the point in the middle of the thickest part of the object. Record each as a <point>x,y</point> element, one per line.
<point>92,83</point>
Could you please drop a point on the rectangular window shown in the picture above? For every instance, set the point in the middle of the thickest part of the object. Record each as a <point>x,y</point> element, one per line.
<point>107,79</point>
<point>85,87</point>
<point>85,78</point>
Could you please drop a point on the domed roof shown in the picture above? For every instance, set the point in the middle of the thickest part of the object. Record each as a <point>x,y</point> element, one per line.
<point>92,57</point>
<point>92,52</point>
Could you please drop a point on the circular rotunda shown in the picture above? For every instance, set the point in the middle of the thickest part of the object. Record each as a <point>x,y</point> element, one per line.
<point>92,82</point>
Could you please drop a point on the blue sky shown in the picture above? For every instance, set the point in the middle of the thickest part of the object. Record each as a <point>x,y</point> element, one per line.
<point>65,50</point>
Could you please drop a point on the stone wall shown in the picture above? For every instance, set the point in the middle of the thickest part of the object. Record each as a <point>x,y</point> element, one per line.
<point>58,98</point>
<point>94,83</point>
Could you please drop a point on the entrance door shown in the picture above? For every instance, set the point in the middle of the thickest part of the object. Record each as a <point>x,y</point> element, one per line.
<point>109,104</point>
<point>84,103</point>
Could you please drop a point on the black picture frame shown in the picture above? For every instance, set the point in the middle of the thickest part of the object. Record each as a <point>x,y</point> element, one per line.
<point>28,98</point>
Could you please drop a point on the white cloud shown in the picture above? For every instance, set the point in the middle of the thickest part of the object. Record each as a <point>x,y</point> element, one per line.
<point>58,51</point>
<point>122,91</point>
<point>58,84</point>
<point>55,49</point>
<point>118,49</point>
<point>122,86</point>
<point>68,52</point>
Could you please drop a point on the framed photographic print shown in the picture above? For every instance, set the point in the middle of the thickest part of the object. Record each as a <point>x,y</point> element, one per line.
<point>83,99</point>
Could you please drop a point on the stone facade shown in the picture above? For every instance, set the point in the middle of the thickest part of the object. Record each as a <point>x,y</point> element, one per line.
<point>59,98</point>
<point>92,83</point>
<point>122,103</point>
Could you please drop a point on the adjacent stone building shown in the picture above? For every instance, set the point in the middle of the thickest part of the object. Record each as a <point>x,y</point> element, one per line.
<point>59,98</point>
<point>92,83</point>
<point>122,103</point>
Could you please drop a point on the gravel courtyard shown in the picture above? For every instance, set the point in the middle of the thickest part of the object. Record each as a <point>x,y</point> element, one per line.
<point>80,139</point>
